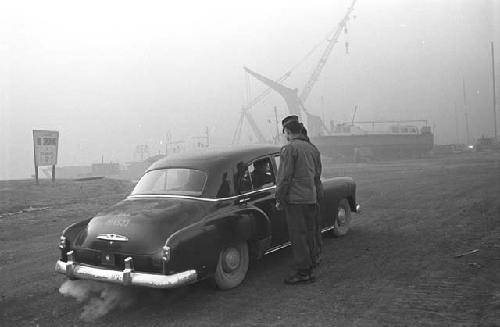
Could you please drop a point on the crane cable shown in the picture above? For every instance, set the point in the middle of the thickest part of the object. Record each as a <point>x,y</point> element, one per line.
<point>267,91</point>
<point>264,93</point>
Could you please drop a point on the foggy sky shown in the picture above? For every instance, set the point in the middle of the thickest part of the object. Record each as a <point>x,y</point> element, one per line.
<point>113,75</point>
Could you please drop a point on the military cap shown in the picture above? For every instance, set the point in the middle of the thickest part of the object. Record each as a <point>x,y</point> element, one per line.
<point>289,119</point>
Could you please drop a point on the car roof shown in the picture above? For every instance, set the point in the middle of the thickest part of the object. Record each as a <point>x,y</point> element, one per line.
<point>207,159</point>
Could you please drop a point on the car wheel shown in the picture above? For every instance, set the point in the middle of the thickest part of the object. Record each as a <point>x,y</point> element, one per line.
<point>342,220</point>
<point>232,266</point>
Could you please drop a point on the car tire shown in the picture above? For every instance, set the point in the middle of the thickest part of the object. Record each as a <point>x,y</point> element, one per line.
<point>342,220</point>
<point>232,266</point>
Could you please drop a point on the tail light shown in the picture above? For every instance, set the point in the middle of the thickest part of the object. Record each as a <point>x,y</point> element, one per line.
<point>165,253</point>
<point>64,247</point>
<point>63,243</point>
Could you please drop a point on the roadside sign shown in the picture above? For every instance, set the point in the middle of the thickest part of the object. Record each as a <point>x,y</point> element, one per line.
<point>45,144</point>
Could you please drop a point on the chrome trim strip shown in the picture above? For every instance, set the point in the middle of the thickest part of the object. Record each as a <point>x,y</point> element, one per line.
<point>277,248</point>
<point>197,198</point>
<point>152,196</point>
<point>266,188</point>
<point>287,244</point>
<point>126,277</point>
<point>326,229</point>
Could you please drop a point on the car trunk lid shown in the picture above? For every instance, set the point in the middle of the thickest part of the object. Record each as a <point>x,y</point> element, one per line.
<point>140,225</point>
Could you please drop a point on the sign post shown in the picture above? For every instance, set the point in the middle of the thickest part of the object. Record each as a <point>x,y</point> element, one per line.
<point>45,144</point>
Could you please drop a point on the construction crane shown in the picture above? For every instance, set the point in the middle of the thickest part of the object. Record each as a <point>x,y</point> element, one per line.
<point>237,133</point>
<point>332,39</point>
<point>245,114</point>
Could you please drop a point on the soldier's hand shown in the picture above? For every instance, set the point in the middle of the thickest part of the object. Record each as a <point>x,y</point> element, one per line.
<point>279,206</point>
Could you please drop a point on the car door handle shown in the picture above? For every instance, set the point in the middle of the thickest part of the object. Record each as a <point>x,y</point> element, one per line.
<point>244,200</point>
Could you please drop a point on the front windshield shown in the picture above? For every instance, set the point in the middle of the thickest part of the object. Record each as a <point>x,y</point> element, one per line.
<point>172,181</point>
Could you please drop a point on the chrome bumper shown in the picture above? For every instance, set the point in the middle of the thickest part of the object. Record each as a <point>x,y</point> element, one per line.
<point>126,277</point>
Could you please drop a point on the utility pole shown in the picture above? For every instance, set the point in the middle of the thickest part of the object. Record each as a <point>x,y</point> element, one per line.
<point>457,139</point>
<point>167,141</point>
<point>354,115</point>
<point>465,113</point>
<point>207,131</point>
<point>494,90</point>
<point>277,128</point>
<point>322,108</point>
<point>467,127</point>
<point>435,134</point>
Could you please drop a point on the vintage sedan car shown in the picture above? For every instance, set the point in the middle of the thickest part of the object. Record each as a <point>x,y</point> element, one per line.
<point>191,217</point>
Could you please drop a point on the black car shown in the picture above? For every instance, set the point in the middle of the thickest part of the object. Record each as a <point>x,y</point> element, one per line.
<point>191,217</point>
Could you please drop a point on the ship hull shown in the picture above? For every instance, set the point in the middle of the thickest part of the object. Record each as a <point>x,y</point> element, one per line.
<point>375,146</point>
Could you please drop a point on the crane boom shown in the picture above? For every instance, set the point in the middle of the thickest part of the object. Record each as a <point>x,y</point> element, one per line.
<point>304,94</point>
<point>264,93</point>
<point>332,39</point>
<point>255,128</point>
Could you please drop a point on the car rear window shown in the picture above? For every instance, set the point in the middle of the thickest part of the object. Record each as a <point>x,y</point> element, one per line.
<point>171,181</point>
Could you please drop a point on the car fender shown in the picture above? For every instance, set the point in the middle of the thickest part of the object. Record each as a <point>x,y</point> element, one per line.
<point>260,239</point>
<point>198,245</point>
<point>336,189</point>
<point>72,231</point>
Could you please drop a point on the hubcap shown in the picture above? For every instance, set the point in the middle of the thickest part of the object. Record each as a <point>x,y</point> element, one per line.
<point>231,259</point>
<point>341,217</point>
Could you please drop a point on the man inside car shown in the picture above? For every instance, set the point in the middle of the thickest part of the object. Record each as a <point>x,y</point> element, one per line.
<point>261,176</point>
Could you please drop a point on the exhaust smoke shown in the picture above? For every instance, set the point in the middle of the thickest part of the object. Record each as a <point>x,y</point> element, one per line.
<point>98,298</point>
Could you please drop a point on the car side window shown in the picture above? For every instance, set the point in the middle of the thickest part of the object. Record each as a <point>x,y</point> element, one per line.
<point>262,174</point>
<point>245,182</point>
<point>242,181</point>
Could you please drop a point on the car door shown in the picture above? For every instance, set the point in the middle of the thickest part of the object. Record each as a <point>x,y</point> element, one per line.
<point>260,181</point>
<point>280,224</point>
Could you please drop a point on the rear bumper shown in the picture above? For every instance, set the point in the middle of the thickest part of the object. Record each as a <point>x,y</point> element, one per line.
<point>127,277</point>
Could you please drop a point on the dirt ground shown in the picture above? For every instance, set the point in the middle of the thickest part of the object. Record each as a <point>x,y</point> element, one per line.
<point>396,267</point>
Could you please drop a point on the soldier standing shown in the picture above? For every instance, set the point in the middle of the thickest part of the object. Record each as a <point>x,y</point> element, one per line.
<point>297,193</point>
<point>318,240</point>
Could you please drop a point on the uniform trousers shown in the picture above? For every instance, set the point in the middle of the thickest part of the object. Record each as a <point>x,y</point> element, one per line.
<point>303,230</point>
